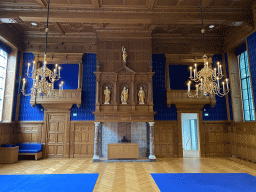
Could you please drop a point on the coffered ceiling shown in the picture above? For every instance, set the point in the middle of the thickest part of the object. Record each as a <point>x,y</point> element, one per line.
<point>177,19</point>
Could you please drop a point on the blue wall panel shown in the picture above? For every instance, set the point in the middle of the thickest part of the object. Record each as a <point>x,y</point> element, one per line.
<point>229,95</point>
<point>219,112</point>
<point>26,112</point>
<point>84,113</point>
<point>159,91</point>
<point>69,75</point>
<point>251,43</point>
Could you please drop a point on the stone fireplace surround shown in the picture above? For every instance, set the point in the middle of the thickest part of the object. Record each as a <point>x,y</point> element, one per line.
<point>112,132</point>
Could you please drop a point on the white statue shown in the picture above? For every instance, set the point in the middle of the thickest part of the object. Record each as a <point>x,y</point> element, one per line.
<point>141,95</point>
<point>107,95</point>
<point>124,96</point>
<point>124,54</point>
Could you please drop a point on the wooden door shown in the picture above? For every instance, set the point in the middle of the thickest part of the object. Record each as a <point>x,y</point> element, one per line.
<point>56,134</point>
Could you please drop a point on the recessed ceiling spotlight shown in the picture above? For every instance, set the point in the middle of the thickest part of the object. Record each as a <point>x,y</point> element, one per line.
<point>211,26</point>
<point>34,24</point>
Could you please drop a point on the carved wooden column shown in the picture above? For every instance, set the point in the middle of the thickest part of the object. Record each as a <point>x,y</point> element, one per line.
<point>115,93</point>
<point>133,99</point>
<point>97,105</point>
<point>152,156</point>
<point>96,156</point>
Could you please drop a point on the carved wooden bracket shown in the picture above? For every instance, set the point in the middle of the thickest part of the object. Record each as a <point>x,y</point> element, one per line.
<point>182,101</point>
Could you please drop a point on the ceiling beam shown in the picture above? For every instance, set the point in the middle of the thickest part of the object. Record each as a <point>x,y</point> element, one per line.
<point>130,18</point>
<point>43,3</point>
<point>59,28</point>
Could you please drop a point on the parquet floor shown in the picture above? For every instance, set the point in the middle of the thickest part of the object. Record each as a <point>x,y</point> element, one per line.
<point>129,176</point>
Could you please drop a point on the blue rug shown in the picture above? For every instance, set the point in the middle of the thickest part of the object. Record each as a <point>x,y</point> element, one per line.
<point>48,183</point>
<point>205,182</point>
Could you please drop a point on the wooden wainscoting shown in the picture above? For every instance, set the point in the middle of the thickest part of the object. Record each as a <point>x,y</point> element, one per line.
<point>165,132</point>
<point>82,139</point>
<point>217,138</point>
<point>29,131</point>
<point>243,140</point>
<point>6,133</point>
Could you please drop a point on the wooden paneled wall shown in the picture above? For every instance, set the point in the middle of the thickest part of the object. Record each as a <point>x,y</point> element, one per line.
<point>6,133</point>
<point>217,138</point>
<point>221,138</point>
<point>29,131</point>
<point>165,132</point>
<point>82,139</point>
<point>243,140</point>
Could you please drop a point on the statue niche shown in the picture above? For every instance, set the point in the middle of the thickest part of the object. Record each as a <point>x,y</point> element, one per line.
<point>124,95</point>
<point>141,95</point>
<point>106,94</point>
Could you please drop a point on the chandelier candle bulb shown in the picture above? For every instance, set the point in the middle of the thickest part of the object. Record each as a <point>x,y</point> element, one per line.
<point>28,68</point>
<point>33,68</point>
<point>190,72</point>
<point>220,70</point>
<point>189,86</point>
<point>54,72</point>
<point>56,66</point>
<point>59,70</point>
<point>223,83</point>
<point>194,73</point>
<point>196,68</point>
<point>23,85</point>
<point>227,85</point>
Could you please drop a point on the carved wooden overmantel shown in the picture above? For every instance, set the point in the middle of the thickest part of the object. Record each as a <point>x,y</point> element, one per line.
<point>115,111</point>
<point>183,101</point>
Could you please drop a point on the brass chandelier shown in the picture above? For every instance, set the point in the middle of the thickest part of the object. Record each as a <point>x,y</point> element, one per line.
<point>207,79</point>
<point>43,77</point>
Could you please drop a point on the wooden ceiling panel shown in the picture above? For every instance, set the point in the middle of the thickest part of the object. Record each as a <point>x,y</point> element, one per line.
<point>59,2</point>
<point>194,3</point>
<point>219,3</point>
<point>135,2</point>
<point>167,3</point>
<point>113,2</point>
<point>83,2</point>
<point>76,27</point>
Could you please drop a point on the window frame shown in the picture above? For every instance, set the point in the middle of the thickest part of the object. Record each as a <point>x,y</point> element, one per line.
<point>249,90</point>
<point>4,84</point>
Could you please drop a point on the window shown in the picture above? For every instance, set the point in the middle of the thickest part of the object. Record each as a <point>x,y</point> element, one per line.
<point>247,100</point>
<point>3,66</point>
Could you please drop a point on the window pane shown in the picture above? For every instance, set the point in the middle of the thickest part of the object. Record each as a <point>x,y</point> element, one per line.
<point>246,104</point>
<point>243,75</point>
<point>247,116</point>
<point>3,65</point>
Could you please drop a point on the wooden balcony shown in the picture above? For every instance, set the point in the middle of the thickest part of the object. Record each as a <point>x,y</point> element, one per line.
<point>68,98</point>
<point>181,100</point>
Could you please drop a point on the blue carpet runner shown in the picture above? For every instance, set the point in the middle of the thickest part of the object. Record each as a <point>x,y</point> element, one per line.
<point>205,182</point>
<point>48,183</point>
